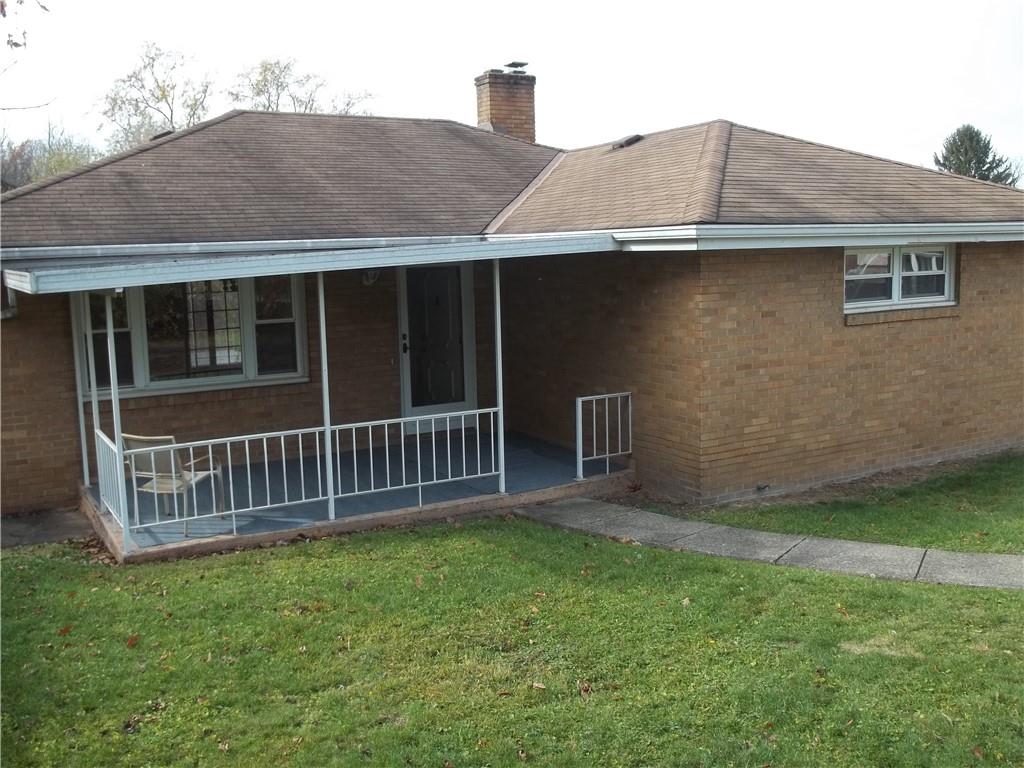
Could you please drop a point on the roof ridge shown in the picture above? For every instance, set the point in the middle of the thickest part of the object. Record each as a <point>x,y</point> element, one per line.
<point>705,196</point>
<point>881,159</point>
<point>105,161</point>
<point>646,135</point>
<point>494,224</point>
<point>448,120</point>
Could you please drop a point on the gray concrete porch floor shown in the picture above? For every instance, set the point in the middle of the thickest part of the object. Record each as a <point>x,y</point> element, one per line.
<point>530,465</point>
<point>836,555</point>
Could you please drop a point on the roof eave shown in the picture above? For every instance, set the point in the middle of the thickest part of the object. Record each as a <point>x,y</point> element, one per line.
<point>717,237</point>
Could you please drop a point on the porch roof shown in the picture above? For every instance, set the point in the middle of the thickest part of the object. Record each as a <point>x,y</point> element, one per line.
<point>64,270</point>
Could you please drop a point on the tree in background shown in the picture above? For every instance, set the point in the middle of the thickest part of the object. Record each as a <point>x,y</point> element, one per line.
<point>274,85</point>
<point>153,98</point>
<point>968,152</point>
<point>37,159</point>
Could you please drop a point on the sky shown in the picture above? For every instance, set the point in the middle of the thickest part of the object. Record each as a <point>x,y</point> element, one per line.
<point>888,78</point>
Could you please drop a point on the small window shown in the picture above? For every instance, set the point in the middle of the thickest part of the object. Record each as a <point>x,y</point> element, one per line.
<point>913,276</point>
<point>275,325</point>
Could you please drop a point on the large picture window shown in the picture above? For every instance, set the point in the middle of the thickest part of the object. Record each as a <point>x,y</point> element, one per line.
<point>203,334</point>
<point>893,277</point>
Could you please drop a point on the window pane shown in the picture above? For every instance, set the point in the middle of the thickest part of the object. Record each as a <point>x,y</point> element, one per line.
<point>193,329</point>
<point>869,289</point>
<point>275,348</point>
<point>924,261</point>
<point>917,286</point>
<point>273,298</point>
<point>123,354</point>
<point>869,263</point>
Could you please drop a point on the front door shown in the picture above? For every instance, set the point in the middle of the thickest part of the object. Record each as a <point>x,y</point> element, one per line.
<point>437,339</point>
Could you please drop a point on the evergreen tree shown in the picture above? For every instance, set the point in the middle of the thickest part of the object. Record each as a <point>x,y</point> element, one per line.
<point>968,152</point>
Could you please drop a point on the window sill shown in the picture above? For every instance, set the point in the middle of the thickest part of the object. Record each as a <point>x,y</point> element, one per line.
<point>129,393</point>
<point>900,314</point>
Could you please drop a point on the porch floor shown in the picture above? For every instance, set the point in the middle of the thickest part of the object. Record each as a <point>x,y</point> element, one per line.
<point>530,465</point>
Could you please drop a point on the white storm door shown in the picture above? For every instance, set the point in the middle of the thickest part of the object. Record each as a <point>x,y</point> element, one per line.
<point>437,339</point>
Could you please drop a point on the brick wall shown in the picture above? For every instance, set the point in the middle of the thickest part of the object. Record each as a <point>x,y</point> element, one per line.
<point>795,393</point>
<point>40,461</point>
<point>581,325</point>
<point>746,371</point>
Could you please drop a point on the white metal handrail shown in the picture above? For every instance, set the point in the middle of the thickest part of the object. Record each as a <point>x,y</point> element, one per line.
<point>109,475</point>
<point>221,477</point>
<point>406,469</point>
<point>617,441</point>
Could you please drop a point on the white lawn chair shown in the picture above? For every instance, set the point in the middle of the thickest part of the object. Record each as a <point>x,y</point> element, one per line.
<point>163,473</point>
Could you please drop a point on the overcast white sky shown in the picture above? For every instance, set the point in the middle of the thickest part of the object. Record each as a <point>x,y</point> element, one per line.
<point>888,78</point>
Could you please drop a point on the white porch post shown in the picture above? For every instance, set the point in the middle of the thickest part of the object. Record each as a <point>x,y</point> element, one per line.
<point>90,354</point>
<point>498,384</point>
<point>326,395</point>
<point>115,407</point>
<point>76,347</point>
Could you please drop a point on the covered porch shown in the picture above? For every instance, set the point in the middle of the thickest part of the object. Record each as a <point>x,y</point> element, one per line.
<point>157,488</point>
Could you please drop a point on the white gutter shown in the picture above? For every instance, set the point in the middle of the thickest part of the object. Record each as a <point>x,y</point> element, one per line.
<point>717,237</point>
<point>232,246</point>
<point>206,261</point>
<point>92,277</point>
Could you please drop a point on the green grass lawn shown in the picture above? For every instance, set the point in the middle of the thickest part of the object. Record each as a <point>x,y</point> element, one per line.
<point>980,509</point>
<point>494,643</point>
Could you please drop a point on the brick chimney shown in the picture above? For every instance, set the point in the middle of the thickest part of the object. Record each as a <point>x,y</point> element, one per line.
<point>504,101</point>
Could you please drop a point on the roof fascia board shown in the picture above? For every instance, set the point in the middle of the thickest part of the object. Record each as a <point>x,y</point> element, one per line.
<point>125,275</point>
<point>241,246</point>
<point>716,237</point>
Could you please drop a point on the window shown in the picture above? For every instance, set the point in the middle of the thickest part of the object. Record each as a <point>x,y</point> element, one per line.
<point>202,335</point>
<point>910,276</point>
<point>122,340</point>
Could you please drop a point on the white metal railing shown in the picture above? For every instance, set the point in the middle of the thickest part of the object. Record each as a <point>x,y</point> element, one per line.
<point>216,478</point>
<point>109,475</point>
<point>608,437</point>
<point>409,453</point>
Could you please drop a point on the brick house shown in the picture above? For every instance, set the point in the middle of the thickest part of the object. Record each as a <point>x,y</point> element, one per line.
<point>352,320</point>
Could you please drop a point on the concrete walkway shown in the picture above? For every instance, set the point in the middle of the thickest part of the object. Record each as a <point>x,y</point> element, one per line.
<point>885,561</point>
<point>44,527</point>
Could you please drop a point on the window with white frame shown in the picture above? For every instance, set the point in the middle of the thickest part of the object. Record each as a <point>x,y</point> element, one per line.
<point>892,277</point>
<point>201,335</point>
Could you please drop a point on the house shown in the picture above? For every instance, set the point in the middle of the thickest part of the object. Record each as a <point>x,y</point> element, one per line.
<point>270,321</point>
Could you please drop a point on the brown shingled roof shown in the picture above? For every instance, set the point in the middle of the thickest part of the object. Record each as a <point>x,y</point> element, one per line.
<point>724,173</point>
<point>273,176</point>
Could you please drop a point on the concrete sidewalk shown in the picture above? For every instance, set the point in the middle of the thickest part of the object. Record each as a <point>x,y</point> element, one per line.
<point>44,527</point>
<point>885,561</point>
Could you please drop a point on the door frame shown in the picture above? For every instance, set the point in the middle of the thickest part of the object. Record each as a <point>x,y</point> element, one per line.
<point>468,346</point>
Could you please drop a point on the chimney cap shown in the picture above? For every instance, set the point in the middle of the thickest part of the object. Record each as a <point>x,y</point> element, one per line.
<point>516,64</point>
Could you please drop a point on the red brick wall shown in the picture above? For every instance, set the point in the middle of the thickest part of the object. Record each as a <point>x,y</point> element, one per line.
<point>40,460</point>
<point>40,457</point>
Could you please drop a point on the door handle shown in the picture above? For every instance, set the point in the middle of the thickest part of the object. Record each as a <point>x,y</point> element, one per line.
<point>405,347</point>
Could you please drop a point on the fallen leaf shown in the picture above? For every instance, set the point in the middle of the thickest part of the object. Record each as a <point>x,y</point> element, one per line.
<point>132,640</point>
<point>504,693</point>
<point>585,688</point>
<point>978,752</point>
<point>64,630</point>
<point>224,746</point>
<point>686,602</point>
<point>540,687</point>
